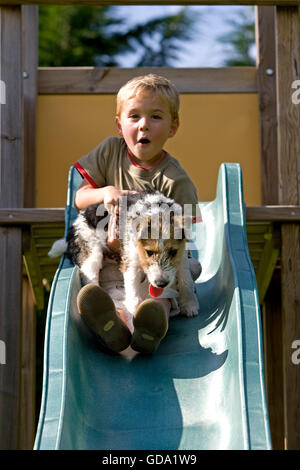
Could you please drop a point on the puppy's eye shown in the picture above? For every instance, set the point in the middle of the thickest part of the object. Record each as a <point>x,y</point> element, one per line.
<point>172,253</point>
<point>150,252</point>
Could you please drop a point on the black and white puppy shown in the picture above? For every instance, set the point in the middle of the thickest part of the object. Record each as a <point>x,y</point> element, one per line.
<point>152,232</point>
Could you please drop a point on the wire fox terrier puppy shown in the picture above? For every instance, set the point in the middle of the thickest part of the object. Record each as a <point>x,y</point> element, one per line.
<point>153,260</point>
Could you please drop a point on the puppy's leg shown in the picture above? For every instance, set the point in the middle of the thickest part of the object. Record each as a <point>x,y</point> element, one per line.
<point>132,282</point>
<point>188,301</point>
<point>91,266</point>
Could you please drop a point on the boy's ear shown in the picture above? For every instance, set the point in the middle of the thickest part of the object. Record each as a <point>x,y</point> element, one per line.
<point>174,127</point>
<point>119,127</point>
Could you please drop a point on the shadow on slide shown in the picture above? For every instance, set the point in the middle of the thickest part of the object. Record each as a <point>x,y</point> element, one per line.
<point>202,389</point>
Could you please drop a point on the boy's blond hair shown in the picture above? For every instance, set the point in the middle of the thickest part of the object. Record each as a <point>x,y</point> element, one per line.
<point>154,83</point>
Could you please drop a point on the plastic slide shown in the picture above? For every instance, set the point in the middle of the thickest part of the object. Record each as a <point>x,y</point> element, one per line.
<point>202,389</point>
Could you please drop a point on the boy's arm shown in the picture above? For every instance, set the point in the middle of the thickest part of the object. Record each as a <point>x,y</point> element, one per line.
<point>87,194</point>
<point>108,195</point>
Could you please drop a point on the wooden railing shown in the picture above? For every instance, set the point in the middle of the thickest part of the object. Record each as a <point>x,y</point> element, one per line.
<point>25,216</point>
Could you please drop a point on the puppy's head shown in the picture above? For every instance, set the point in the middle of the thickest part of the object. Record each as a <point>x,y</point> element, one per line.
<point>161,245</point>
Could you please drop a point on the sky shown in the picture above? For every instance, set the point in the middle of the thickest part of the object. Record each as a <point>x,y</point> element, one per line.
<point>204,50</point>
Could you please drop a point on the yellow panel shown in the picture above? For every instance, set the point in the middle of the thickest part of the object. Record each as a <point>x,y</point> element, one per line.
<point>214,128</point>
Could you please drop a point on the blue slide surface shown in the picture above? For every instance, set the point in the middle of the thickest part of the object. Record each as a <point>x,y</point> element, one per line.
<point>202,389</point>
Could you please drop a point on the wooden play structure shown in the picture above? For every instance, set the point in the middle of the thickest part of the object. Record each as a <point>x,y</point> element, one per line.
<point>27,232</point>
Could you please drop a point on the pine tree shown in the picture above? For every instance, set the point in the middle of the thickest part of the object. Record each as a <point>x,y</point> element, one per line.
<point>92,36</point>
<point>240,39</point>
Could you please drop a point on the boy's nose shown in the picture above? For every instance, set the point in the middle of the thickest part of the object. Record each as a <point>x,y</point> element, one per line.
<point>143,123</point>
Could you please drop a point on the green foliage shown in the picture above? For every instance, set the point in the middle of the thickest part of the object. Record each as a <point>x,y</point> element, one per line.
<point>93,36</point>
<point>168,34</point>
<point>240,40</point>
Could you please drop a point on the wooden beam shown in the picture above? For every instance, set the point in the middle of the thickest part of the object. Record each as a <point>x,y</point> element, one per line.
<point>68,80</point>
<point>288,115</point>
<point>29,216</point>
<point>266,82</point>
<point>11,195</point>
<point>153,2</point>
<point>273,213</point>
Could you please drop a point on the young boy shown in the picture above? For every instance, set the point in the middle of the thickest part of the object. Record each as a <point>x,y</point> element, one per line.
<point>147,116</point>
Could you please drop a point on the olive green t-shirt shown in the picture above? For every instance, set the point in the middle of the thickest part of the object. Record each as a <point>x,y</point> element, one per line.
<point>110,164</point>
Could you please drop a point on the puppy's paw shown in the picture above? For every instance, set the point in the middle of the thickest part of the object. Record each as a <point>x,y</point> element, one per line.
<point>189,308</point>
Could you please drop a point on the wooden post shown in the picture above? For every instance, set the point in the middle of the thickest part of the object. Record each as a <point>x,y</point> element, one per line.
<point>28,364</point>
<point>30,71</point>
<point>11,195</point>
<point>28,353</point>
<point>271,311</point>
<point>266,84</point>
<point>288,115</point>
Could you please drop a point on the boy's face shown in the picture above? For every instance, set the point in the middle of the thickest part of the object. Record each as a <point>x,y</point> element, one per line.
<point>146,124</point>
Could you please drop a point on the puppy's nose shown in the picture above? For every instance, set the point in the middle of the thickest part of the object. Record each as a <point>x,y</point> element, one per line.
<point>161,283</point>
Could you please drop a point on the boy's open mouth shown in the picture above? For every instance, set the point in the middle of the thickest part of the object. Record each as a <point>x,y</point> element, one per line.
<point>144,141</point>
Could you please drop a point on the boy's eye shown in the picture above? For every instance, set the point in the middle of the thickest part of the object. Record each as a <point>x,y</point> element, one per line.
<point>150,252</point>
<point>172,253</point>
<point>156,116</point>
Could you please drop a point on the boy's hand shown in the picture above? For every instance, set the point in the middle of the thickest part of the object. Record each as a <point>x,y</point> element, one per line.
<point>112,195</point>
<point>109,196</point>
<point>111,203</point>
